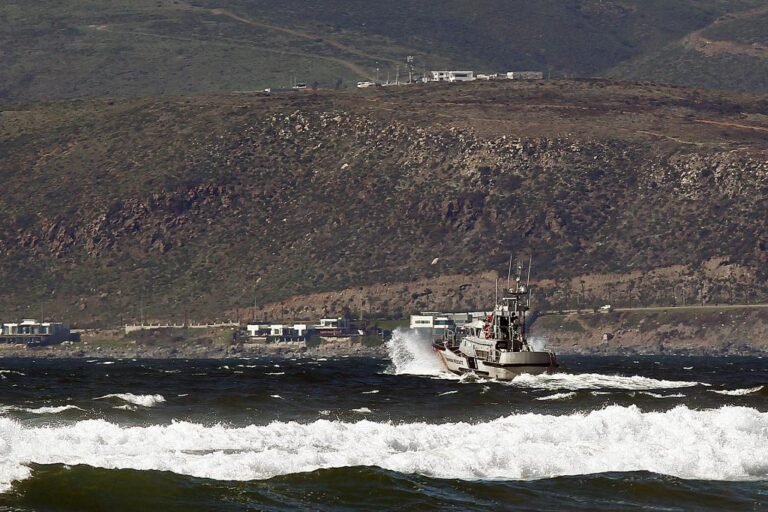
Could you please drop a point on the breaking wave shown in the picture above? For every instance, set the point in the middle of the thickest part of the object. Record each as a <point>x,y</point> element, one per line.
<point>558,396</point>
<point>39,410</point>
<point>411,354</point>
<point>141,400</point>
<point>722,444</point>
<point>575,382</point>
<point>737,392</point>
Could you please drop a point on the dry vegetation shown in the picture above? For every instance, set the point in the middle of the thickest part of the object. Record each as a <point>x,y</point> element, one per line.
<point>199,206</point>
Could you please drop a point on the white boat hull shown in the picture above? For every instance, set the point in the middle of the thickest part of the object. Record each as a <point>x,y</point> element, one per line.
<point>515,363</point>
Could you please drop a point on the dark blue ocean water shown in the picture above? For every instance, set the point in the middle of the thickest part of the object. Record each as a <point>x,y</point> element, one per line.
<point>606,433</point>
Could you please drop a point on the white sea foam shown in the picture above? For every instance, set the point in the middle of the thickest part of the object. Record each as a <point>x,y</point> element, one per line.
<point>276,396</point>
<point>39,410</point>
<point>411,354</point>
<point>723,444</point>
<point>372,392</point>
<point>52,410</point>
<point>275,373</point>
<point>142,400</point>
<point>362,410</point>
<point>448,393</point>
<point>558,396</point>
<point>657,395</point>
<point>737,392</point>
<point>575,382</point>
<point>538,343</point>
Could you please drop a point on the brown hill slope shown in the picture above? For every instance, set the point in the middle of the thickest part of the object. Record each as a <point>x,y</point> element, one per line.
<point>202,205</point>
<point>730,53</point>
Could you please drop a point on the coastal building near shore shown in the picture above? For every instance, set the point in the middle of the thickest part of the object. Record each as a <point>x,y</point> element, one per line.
<point>327,328</point>
<point>278,332</point>
<point>435,322</point>
<point>333,327</point>
<point>31,332</point>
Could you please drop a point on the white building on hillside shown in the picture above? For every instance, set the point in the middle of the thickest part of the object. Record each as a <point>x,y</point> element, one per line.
<point>451,76</point>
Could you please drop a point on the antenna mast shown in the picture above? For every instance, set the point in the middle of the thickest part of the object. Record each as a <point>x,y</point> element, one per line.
<point>528,282</point>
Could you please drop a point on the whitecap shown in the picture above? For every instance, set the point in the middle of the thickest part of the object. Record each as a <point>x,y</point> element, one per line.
<point>38,410</point>
<point>558,396</point>
<point>142,400</point>
<point>372,392</point>
<point>657,395</point>
<point>716,444</point>
<point>448,393</point>
<point>276,396</point>
<point>52,409</point>
<point>363,410</point>
<point>275,373</point>
<point>737,392</point>
<point>575,382</point>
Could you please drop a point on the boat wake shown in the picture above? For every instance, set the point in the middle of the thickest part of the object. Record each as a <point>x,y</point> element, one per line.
<point>411,354</point>
<point>716,444</point>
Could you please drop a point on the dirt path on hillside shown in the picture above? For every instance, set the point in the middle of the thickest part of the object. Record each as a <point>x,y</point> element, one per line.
<point>232,42</point>
<point>733,125</point>
<point>358,70</point>
<point>306,35</point>
<point>711,47</point>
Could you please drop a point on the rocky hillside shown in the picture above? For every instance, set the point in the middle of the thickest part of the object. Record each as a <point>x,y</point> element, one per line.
<point>91,48</point>
<point>203,206</point>
<point>693,331</point>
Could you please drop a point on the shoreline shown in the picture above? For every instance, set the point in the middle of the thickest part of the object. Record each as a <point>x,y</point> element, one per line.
<point>77,351</point>
<point>296,352</point>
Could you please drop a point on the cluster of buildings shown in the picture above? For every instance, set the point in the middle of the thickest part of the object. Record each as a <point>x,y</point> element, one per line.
<point>327,328</point>
<point>31,332</point>
<point>438,323</point>
<point>465,76</point>
<point>470,76</point>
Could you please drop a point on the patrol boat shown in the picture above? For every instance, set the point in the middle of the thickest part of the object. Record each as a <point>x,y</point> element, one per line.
<point>496,346</point>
